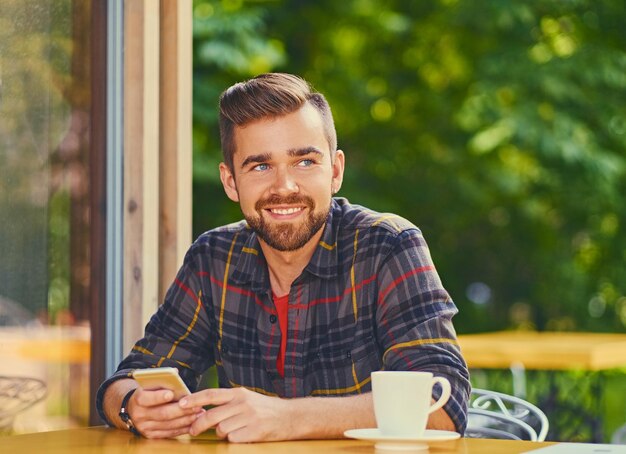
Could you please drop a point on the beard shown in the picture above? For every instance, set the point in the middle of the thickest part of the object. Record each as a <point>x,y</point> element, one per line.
<point>287,236</point>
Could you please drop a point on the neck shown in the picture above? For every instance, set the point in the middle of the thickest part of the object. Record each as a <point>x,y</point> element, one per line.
<point>285,266</point>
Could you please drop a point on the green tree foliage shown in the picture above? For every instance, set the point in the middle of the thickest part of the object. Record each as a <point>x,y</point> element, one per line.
<point>497,127</point>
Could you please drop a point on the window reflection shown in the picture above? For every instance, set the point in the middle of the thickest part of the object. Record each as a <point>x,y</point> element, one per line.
<point>45,103</point>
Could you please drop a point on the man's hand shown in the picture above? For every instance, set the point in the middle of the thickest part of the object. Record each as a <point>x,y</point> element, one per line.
<point>156,416</point>
<point>240,415</point>
<point>154,413</point>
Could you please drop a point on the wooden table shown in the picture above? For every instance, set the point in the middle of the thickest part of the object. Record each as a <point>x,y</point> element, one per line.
<point>544,350</point>
<point>46,344</point>
<point>591,353</point>
<point>96,440</point>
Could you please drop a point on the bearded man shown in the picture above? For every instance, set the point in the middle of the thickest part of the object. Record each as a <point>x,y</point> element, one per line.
<point>296,305</point>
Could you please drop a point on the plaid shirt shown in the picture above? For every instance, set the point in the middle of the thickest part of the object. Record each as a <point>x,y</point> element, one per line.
<point>369,299</point>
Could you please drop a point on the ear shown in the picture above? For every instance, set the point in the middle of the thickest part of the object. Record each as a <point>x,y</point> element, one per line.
<point>338,165</point>
<point>228,181</point>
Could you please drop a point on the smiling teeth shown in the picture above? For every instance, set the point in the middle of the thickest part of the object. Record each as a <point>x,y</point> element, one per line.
<point>285,210</point>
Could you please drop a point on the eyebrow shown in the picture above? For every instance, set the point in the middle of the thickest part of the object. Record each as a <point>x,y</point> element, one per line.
<point>258,158</point>
<point>304,151</point>
<point>294,152</point>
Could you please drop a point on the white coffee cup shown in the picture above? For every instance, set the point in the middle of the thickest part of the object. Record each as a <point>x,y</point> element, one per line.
<point>402,401</point>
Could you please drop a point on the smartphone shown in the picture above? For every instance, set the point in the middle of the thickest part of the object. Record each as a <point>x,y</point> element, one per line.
<point>162,378</point>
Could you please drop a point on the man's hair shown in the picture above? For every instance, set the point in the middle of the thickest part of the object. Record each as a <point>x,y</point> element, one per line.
<point>266,96</point>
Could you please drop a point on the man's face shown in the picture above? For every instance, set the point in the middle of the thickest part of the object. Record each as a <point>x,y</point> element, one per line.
<point>283,177</point>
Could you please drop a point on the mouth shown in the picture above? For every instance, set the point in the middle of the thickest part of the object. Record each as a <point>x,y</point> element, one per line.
<point>284,213</point>
<point>279,211</point>
<point>285,208</point>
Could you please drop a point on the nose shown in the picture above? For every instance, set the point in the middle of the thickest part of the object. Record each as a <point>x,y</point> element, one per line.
<point>284,183</point>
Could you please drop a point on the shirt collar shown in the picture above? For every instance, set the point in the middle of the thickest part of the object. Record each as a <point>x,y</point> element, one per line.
<point>323,263</point>
<point>251,267</point>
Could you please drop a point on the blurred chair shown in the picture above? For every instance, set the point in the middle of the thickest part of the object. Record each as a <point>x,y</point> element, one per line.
<point>16,395</point>
<point>497,415</point>
<point>619,436</point>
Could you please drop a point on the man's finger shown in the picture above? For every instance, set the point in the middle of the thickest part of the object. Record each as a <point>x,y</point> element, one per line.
<point>164,414</point>
<point>236,424</point>
<point>152,426</point>
<point>184,421</point>
<point>147,398</point>
<point>170,415</point>
<point>219,396</point>
<point>214,417</point>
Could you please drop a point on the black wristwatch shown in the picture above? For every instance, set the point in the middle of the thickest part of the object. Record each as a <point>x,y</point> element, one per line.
<point>125,416</point>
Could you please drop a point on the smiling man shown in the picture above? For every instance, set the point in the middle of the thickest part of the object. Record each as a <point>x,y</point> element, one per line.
<point>296,305</point>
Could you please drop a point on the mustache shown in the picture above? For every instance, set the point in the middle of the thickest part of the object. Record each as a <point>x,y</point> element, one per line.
<point>291,199</point>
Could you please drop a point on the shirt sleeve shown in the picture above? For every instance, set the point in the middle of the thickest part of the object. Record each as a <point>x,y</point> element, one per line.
<point>414,321</point>
<point>178,334</point>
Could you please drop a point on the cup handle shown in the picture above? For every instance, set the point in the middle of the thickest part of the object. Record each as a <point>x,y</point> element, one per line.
<point>445,393</point>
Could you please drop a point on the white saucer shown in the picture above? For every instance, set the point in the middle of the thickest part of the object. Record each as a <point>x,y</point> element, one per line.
<point>395,443</point>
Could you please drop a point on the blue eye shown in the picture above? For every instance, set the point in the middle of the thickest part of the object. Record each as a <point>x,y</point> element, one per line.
<point>306,163</point>
<point>261,167</point>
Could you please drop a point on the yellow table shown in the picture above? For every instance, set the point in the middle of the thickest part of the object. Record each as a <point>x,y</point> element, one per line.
<point>553,351</point>
<point>544,350</point>
<point>110,441</point>
<point>46,344</point>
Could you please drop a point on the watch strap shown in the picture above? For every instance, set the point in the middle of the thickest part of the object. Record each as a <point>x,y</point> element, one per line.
<point>125,416</point>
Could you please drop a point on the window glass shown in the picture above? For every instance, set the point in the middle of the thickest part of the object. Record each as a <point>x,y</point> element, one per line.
<point>45,108</point>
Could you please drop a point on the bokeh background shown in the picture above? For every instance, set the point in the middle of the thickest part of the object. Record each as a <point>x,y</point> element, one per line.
<point>497,127</point>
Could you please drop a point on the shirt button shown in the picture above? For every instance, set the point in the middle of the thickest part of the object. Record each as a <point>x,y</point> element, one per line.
<point>348,354</point>
<point>273,318</point>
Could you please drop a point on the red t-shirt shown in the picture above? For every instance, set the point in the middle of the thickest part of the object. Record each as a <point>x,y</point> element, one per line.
<point>282,309</point>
